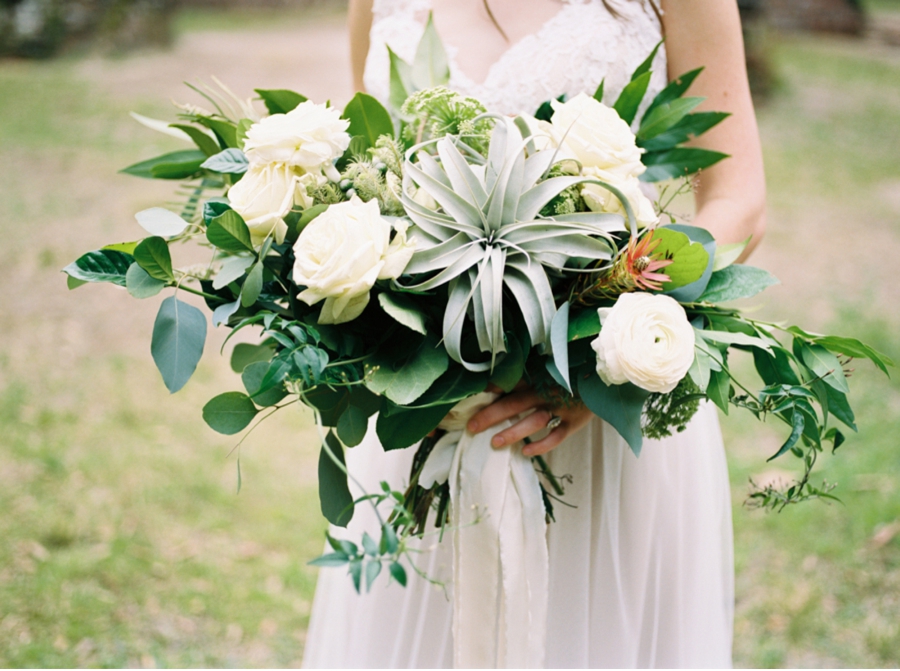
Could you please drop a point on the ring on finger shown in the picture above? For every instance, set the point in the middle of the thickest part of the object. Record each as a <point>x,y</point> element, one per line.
<point>554,421</point>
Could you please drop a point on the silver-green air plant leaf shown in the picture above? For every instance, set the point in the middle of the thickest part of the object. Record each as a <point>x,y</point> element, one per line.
<point>487,239</point>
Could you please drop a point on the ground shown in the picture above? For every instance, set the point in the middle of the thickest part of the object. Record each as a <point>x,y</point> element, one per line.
<point>124,540</point>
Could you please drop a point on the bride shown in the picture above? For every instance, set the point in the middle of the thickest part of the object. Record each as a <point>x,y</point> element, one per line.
<point>641,568</point>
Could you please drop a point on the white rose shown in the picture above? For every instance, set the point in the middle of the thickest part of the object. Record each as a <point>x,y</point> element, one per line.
<point>310,137</point>
<point>599,199</point>
<point>264,196</point>
<point>645,339</point>
<point>341,253</point>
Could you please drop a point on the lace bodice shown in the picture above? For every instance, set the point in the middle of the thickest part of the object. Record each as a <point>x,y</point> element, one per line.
<point>583,43</point>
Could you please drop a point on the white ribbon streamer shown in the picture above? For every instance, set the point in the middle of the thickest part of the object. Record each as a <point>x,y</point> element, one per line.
<point>500,558</point>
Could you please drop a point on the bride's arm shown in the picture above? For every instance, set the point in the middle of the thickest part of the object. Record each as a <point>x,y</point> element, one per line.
<point>730,195</point>
<point>359,21</point>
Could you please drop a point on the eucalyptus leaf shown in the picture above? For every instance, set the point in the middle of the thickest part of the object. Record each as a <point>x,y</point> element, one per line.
<point>729,253</point>
<point>229,161</point>
<point>352,426</point>
<point>179,334</point>
<point>229,413</point>
<point>403,309</point>
<point>140,284</point>
<point>233,268</point>
<point>406,382</point>
<point>223,313</point>
<point>334,494</point>
<point>559,345</point>
<point>252,377</point>
<point>244,354</point>
<point>735,282</point>
<point>620,405</point>
<point>162,222</point>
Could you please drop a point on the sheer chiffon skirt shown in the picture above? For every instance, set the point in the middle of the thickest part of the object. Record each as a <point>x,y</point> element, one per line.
<point>641,568</point>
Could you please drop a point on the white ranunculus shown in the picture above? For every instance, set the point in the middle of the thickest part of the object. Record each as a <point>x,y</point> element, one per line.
<point>264,196</point>
<point>645,339</point>
<point>600,199</point>
<point>341,253</point>
<point>310,137</point>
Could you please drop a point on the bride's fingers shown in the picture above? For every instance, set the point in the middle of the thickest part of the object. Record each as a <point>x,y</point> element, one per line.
<point>528,426</point>
<point>544,445</point>
<point>506,407</point>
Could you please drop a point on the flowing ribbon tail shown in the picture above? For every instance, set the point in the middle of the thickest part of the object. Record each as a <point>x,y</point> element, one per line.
<point>500,558</point>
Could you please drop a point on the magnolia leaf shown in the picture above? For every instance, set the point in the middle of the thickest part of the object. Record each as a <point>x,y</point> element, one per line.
<point>140,284</point>
<point>368,119</point>
<point>735,282</point>
<point>152,254</point>
<point>179,334</point>
<point>334,494</point>
<point>730,253</point>
<point>104,265</point>
<point>162,222</point>
<point>229,162</point>
<point>126,247</point>
<point>229,413</point>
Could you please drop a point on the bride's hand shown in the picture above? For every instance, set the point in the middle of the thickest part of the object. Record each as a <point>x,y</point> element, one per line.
<point>522,399</point>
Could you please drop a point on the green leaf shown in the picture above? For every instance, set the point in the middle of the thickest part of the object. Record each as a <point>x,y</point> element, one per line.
<point>404,382</point>
<point>621,405</point>
<point>407,427</point>
<point>368,119</point>
<point>280,101</point>
<point>226,131</point>
<point>140,284</point>
<point>797,425</point>
<point>430,67</point>
<point>331,560</point>
<point>719,389</point>
<point>676,88</point>
<point>214,207</point>
<point>735,282</point>
<point>825,365</point>
<point>647,63</point>
<point>676,163</point>
<point>584,324</point>
<point>665,117</point>
<point>252,285</point>
<point>244,354</point>
<point>452,387</point>
<point>203,141</point>
<point>72,283</point>
<point>330,403</point>
<point>253,376</point>
<point>369,545</point>
<point>160,221</point>
<point>229,233</point>
<point>352,426</point>
<point>124,247</point>
<point>598,94</point>
<point>559,347</point>
<point>691,126</point>
<point>224,312</point>
<point>229,162</point>
<point>631,96</point>
<point>334,494</point>
<point>104,265</point>
<point>729,253</point>
<point>404,310</point>
<point>855,348</point>
<point>229,413</point>
<point>296,227</point>
<point>311,362</point>
<point>691,292</point>
<point>389,542</point>
<point>233,268</point>
<point>511,368</point>
<point>401,80</point>
<point>398,573</point>
<point>356,573</point>
<point>373,568</point>
<point>241,131</point>
<point>152,254</point>
<point>174,165</point>
<point>775,367</point>
<point>179,334</point>
<point>840,407</point>
<point>689,259</point>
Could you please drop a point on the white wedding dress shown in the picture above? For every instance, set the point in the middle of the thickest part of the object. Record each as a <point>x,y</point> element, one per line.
<point>641,569</point>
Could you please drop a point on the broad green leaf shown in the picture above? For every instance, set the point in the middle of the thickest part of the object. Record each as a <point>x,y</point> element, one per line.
<point>202,139</point>
<point>407,427</point>
<point>403,309</point>
<point>631,96</point>
<point>72,283</point>
<point>103,265</point>
<point>719,388</point>
<point>398,573</point>
<point>252,377</point>
<point>142,285</point>
<point>701,368</point>
<point>368,119</point>
<point>511,368</point>
<point>223,313</point>
<point>735,282</point>
<point>240,132</point>
<point>229,233</point>
<point>179,334</point>
<point>689,259</point>
<point>405,382</point>
<point>152,254</point>
<point>125,247</point>
<point>731,338</point>
<point>162,222</point>
<point>401,80</point>
<point>665,117</point>
<point>310,361</point>
<point>676,163</point>
<point>174,165</point>
<point>855,348</point>
<point>280,101</point>
<point>225,131</point>
<point>244,354</point>
<point>229,413</point>
<point>775,367</point>
<point>252,285</point>
<point>452,387</point>
<point>213,208</point>
<point>676,88</point>
<point>233,268</point>
<point>825,365</point>
<point>330,403</point>
<point>331,560</point>
<point>584,324</point>
<point>840,407</point>
<point>692,291</point>
<point>334,494</point>
<point>729,253</point>
<point>230,162</point>
<point>373,568</point>
<point>430,67</point>
<point>352,426</point>
<point>621,405</point>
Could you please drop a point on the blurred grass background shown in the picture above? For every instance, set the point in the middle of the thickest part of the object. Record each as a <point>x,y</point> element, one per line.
<point>123,541</point>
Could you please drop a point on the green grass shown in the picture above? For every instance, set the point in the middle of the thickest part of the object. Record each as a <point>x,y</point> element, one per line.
<point>124,540</point>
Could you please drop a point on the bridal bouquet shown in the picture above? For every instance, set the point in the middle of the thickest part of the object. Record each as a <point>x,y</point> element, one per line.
<point>398,262</point>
